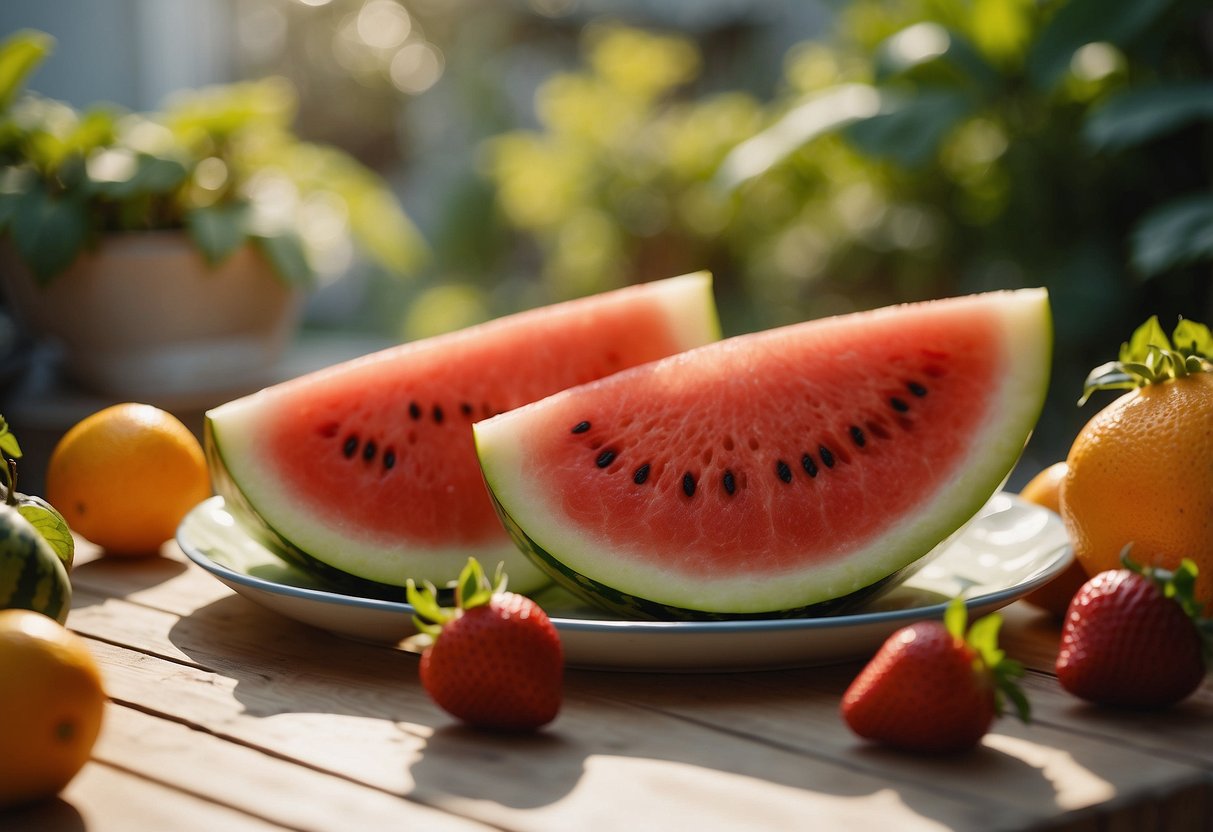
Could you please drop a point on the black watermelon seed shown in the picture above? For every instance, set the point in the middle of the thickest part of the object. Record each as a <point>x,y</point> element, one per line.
<point>414,410</point>
<point>369,450</point>
<point>810,467</point>
<point>389,459</point>
<point>784,472</point>
<point>605,458</point>
<point>688,484</point>
<point>827,456</point>
<point>350,447</point>
<point>857,436</point>
<point>899,404</point>
<point>917,389</point>
<point>438,414</point>
<point>465,408</point>
<point>581,427</point>
<point>641,474</point>
<point>730,484</point>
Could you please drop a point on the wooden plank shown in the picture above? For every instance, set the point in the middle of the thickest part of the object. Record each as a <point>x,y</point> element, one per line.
<point>1041,769</point>
<point>253,782</point>
<point>1070,759</point>
<point>370,722</point>
<point>104,799</point>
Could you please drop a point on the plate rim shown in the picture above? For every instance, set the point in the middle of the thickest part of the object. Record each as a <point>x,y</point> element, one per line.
<point>1063,555</point>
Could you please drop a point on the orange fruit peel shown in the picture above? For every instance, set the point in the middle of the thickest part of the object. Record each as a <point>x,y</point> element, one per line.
<point>1141,470</point>
<point>52,700</point>
<point>125,476</point>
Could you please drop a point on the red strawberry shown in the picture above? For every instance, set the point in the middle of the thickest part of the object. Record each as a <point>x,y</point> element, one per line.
<point>929,688</point>
<point>1133,637</point>
<point>495,659</point>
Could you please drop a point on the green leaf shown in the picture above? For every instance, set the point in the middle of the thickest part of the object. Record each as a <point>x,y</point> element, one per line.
<point>53,528</point>
<point>286,254</point>
<point>983,637</point>
<point>49,232</point>
<point>1192,338</point>
<point>20,54</point>
<point>1139,115</point>
<point>1175,234</point>
<point>384,231</point>
<point>218,230</point>
<point>425,603</point>
<point>8,441</point>
<point>910,128</point>
<point>153,176</point>
<point>473,588</point>
<point>8,208</point>
<point>1079,22</point>
<point>820,114</point>
<point>930,52</point>
<point>1149,334</point>
<point>955,617</point>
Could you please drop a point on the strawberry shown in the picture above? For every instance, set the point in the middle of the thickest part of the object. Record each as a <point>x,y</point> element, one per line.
<point>930,688</point>
<point>494,660</point>
<point>1134,637</point>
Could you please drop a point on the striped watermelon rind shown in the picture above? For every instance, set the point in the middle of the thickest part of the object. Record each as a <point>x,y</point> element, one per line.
<point>32,576</point>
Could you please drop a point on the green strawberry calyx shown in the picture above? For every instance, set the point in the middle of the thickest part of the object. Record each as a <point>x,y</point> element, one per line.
<point>1150,357</point>
<point>1179,585</point>
<point>991,659</point>
<point>472,589</point>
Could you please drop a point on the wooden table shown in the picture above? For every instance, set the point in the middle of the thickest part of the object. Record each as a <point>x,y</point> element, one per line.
<point>225,716</point>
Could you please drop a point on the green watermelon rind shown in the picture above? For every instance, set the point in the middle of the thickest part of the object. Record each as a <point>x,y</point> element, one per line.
<point>340,560</point>
<point>646,591</point>
<point>264,533</point>
<point>32,576</point>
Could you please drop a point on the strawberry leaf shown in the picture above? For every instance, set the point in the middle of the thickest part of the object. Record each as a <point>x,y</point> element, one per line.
<point>983,637</point>
<point>472,589</point>
<point>955,618</point>
<point>1004,672</point>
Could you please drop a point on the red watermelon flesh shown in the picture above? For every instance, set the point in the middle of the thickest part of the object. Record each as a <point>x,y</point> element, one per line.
<point>778,470</point>
<point>368,468</point>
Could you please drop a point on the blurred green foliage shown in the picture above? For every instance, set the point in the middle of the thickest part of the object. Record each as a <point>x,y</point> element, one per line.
<point>925,148</point>
<point>221,162</point>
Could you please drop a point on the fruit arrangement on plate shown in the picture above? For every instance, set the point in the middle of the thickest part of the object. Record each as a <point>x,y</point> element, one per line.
<point>641,463</point>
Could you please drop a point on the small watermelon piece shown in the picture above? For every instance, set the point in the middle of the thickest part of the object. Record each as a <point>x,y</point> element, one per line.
<point>32,576</point>
<point>365,473</point>
<point>784,472</point>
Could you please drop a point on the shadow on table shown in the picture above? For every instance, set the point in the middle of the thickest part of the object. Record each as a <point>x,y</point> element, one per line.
<point>101,577</point>
<point>53,815</point>
<point>282,668</point>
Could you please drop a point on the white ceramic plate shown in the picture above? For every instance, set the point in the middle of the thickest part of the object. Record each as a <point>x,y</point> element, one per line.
<point>1009,549</point>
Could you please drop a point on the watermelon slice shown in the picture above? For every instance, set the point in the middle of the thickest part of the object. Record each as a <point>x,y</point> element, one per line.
<point>777,473</point>
<point>366,472</point>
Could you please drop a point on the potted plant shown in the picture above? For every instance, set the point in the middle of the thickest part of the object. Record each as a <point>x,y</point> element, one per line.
<point>169,252</point>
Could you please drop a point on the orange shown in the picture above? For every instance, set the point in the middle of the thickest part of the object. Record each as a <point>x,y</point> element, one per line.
<point>1141,472</point>
<point>1044,490</point>
<point>51,702</point>
<point>125,476</point>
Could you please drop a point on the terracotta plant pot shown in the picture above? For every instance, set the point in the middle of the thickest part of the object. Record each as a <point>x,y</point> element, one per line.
<point>144,317</point>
